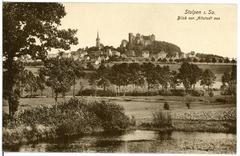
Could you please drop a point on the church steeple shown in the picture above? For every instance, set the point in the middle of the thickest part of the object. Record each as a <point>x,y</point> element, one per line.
<point>98,40</point>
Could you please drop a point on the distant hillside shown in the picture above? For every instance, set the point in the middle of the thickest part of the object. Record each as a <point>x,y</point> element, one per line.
<point>169,48</point>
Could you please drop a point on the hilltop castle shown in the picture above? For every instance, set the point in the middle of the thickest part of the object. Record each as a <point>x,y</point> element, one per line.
<point>140,39</point>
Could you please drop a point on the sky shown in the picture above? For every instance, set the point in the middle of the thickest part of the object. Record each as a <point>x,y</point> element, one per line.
<point>115,20</point>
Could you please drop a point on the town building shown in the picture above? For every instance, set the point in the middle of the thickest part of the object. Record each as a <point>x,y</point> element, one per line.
<point>98,44</point>
<point>145,54</point>
<point>191,54</point>
<point>162,54</point>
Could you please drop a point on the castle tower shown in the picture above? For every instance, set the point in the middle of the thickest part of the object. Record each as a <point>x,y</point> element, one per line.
<point>130,38</point>
<point>98,41</point>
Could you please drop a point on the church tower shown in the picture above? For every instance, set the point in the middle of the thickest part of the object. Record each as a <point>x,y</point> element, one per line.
<point>98,41</point>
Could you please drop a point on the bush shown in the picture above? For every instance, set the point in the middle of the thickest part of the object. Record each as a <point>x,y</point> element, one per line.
<point>178,92</point>
<point>105,93</point>
<point>111,115</point>
<point>188,105</point>
<point>86,92</point>
<point>197,93</point>
<point>162,119</point>
<point>221,100</point>
<point>211,94</point>
<point>74,117</point>
<point>166,106</point>
<point>165,93</point>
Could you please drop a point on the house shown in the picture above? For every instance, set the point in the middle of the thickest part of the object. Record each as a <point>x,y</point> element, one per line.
<point>76,55</point>
<point>64,55</point>
<point>116,53</point>
<point>191,54</point>
<point>154,56</point>
<point>182,55</point>
<point>109,52</point>
<point>175,57</point>
<point>123,56</point>
<point>145,54</point>
<point>130,53</point>
<point>161,55</point>
<point>52,55</point>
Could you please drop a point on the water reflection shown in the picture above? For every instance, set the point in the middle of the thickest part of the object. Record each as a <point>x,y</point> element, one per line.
<point>139,141</point>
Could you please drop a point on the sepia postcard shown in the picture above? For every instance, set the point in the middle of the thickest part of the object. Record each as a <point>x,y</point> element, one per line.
<point>119,77</point>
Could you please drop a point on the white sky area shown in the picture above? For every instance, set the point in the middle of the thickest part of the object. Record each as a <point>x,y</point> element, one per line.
<point>115,20</point>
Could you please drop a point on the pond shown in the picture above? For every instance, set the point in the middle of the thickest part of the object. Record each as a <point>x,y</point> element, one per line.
<point>139,141</point>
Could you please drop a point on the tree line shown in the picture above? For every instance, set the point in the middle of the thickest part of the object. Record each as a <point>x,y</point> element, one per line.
<point>60,74</point>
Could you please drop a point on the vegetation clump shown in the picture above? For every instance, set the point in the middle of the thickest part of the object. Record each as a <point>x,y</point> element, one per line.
<point>162,119</point>
<point>166,106</point>
<point>74,117</point>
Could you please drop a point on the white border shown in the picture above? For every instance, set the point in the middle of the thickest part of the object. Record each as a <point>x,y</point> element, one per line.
<point>121,1</point>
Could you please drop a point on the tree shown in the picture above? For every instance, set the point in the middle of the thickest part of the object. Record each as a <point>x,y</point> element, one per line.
<point>208,78</point>
<point>164,60</point>
<point>233,61</point>
<point>21,79</point>
<point>195,60</point>
<point>136,76</point>
<point>208,60</point>
<point>170,60</point>
<point>101,77</point>
<point>40,84</point>
<point>174,80</point>
<point>163,76</point>
<point>202,60</point>
<point>119,75</point>
<point>214,60</point>
<point>189,74</point>
<point>226,60</point>
<point>30,28</point>
<point>90,66</point>
<point>153,59</point>
<point>188,59</point>
<point>75,71</point>
<point>58,75</point>
<point>150,74</point>
<point>31,85</point>
<point>229,79</point>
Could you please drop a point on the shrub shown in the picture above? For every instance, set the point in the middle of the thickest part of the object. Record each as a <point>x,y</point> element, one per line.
<point>221,100</point>
<point>162,119</point>
<point>197,93</point>
<point>105,93</point>
<point>178,92</point>
<point>74,117</point>
<point>111,115</point>
<point>86,92</point>
<point>211,94</point>
<point>166,106</point>
<point>165,93</point>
